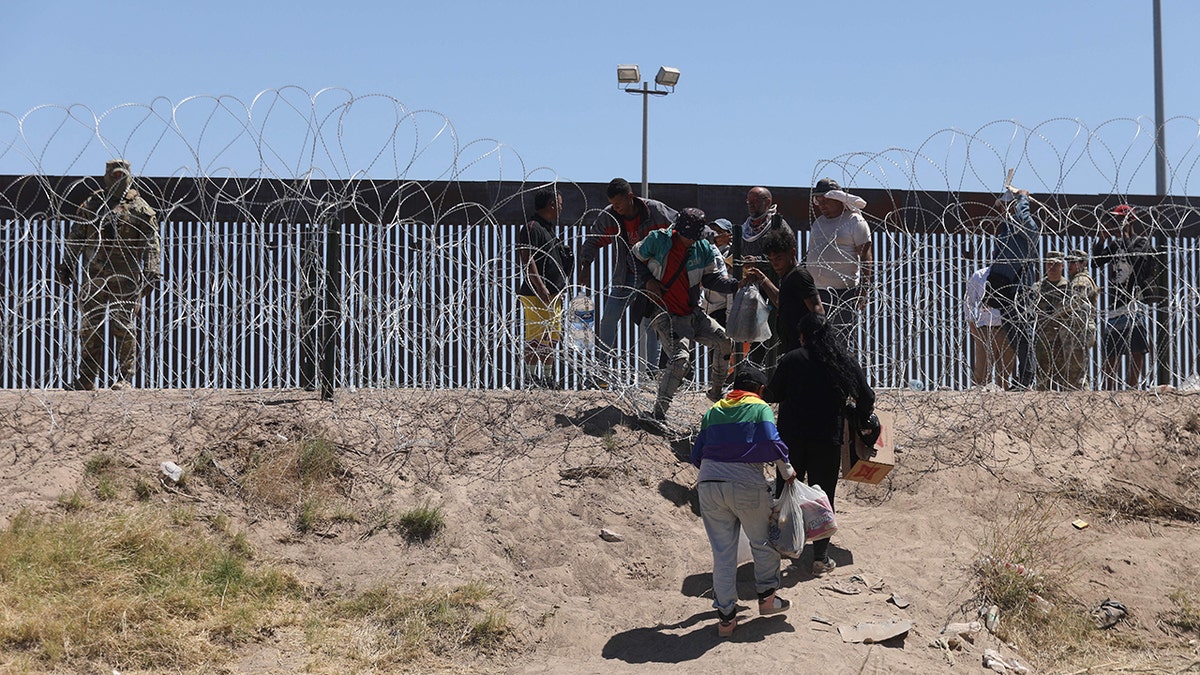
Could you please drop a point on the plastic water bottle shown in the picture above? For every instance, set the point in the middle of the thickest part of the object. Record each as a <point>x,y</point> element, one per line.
<point>581,324</point>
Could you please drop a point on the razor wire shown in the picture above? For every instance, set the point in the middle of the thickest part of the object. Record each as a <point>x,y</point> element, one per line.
<point>253,198</point>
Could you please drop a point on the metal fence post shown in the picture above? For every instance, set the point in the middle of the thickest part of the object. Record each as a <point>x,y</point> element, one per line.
<point>331,316</point>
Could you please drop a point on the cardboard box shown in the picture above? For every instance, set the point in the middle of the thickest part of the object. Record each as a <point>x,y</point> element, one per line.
<point>870,465</point>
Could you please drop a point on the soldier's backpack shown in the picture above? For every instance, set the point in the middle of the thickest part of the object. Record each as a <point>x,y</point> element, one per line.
<point>1150,271</point>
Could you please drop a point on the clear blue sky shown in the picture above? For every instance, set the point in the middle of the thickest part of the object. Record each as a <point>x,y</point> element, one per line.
<point>768,90</point>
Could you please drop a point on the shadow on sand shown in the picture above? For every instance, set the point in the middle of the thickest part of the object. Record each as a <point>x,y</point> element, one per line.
<point>687,640</point>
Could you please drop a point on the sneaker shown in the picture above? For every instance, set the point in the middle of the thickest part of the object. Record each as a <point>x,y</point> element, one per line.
<point>821,567</point>
<point>715,394</point>
<point>773,604</point>
<point>725,628</point>
<point>120,385</point>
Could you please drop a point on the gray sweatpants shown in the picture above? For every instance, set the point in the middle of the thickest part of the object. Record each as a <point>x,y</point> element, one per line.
<point>725,506</point>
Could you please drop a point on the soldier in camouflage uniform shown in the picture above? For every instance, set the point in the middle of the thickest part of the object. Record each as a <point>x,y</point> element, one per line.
<point>1081,322</point>
<point>115,236</point>
<point>1050,336</point>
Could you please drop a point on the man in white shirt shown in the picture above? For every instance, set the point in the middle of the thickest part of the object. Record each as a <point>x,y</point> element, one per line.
<point>839,256</point>
<point>993,358</point>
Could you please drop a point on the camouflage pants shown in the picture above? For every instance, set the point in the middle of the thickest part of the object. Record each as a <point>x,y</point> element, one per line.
<point>677,333</point>
<point>123,313</point>
<point>1051,347</point>
<point>1079,341</point>
<point>1075,364</point>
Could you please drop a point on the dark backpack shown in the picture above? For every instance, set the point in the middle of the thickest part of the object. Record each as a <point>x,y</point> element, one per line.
<point>1150,271</point>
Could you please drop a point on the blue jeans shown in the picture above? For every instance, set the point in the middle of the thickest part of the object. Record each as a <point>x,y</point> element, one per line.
<point>724,507</point>
<point>616,304</point>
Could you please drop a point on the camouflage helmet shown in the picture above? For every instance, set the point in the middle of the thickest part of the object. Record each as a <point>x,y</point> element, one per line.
<point>117,176</point>
<point>114,164</point>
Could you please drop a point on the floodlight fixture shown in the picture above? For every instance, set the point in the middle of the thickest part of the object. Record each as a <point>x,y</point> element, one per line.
<point>667,76</point>
<point>628,74</point>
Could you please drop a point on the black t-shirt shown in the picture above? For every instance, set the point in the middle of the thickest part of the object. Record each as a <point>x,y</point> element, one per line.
<point>796,286</point>
<point>810,406</point>
<point>552,257</point>
<point>1119,255</point>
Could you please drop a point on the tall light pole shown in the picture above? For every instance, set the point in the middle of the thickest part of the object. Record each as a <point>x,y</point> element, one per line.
<point>1160,136</point>
<point>1162,344</point>
<point>631,75</point>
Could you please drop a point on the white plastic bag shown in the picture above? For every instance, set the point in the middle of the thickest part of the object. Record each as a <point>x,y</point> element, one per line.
<point>819,521</point>
<point>786,528</point>
<point>747,321</point>
<point>802,513</point>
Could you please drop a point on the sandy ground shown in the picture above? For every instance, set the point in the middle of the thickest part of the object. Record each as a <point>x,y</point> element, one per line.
<point>528,479</point>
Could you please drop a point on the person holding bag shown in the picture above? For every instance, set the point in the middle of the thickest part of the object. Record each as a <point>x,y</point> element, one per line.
<point>795,294</point>
<point>811,386</point>
<point>737,440</point>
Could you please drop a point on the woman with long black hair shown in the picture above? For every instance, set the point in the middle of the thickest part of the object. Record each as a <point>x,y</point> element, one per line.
<point>812,385</point>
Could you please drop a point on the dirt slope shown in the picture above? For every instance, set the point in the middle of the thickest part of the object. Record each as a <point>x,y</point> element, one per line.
<point>528,480</point>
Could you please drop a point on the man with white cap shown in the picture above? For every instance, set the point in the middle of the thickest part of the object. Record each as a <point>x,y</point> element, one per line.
<point>839,256</point>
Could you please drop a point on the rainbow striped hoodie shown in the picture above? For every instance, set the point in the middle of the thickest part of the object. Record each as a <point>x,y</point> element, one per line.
<point>739,428</point>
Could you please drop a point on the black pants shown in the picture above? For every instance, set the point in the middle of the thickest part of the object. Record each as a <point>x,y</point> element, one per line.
<point>767,354</point>
<point>816,463</point>
<point>1020,337</point>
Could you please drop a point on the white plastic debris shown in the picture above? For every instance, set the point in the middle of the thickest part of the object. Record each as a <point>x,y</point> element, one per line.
<point>962,628</point>
<point>992,618</point>
<point>172,471</point>
<point>992,660</point>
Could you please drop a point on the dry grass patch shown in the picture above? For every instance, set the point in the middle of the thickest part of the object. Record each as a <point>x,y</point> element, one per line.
<point>164,589</point>
<point>157,594</point>
<point>1184,614</point>
<point>1027,570</point>
<point>1125,500</point>
<point>102,469</point>
<point>434,625</point>
<point>303,477</point>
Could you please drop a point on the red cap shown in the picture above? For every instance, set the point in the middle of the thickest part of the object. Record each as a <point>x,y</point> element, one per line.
<point>1122,210</point>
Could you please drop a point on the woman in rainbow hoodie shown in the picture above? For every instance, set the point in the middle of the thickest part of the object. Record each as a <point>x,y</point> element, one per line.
<point>737,441</point>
